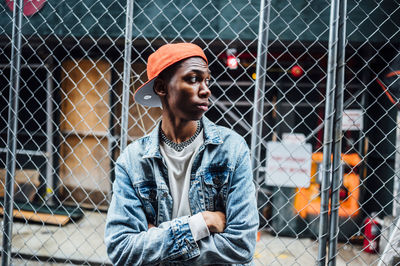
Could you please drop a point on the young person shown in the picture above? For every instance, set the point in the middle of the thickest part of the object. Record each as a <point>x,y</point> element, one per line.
<point>184,193</point>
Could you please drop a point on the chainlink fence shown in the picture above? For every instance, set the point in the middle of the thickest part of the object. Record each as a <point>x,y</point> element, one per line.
<point>313,87</point>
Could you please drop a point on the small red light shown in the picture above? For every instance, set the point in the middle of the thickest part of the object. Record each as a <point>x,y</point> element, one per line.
<point>342,194</point>
<point>296,71</point>
<point>232,62</point>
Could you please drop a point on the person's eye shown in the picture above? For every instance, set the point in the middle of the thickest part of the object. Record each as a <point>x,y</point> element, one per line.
<point>193,79</point>
<point>208,82</point>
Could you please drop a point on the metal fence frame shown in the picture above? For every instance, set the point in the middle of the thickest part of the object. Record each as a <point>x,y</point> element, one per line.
<point>332,138</point>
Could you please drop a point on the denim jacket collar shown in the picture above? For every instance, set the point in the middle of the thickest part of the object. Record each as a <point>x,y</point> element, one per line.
<point>211,136</point>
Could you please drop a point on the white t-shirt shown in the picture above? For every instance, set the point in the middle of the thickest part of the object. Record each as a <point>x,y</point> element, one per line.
<point>179,164</point>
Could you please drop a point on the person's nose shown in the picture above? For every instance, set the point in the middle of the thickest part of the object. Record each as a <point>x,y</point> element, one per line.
<point>204,91</point>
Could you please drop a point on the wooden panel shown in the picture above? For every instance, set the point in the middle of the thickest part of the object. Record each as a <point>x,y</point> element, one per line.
<point>55,219</point>
<point>27,180</point>
<point>85,115</point>
<point>85,96</point>
<point>85,168</point>
<point>86,197</point>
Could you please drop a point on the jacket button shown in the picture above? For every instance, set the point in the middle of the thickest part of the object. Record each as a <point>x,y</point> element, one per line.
<point>165,194</point>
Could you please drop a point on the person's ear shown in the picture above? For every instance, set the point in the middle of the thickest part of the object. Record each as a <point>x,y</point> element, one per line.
<point>160,87</point>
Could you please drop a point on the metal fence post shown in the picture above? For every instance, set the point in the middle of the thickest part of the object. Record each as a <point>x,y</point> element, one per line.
<point>258,108</point>
<point>50,184</point>
<point>328,130</point>
<point>338,135</point>
<point>127,74</point>
<point>12,132</point>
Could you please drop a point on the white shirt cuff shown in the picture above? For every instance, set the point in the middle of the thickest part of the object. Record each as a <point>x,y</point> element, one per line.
<point>198,227</point>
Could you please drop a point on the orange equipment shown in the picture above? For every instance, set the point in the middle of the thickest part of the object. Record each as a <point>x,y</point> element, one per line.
<point>296,211</point>
<point>308,200</point>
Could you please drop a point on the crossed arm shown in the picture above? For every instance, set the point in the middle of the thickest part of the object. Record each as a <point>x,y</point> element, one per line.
<point>215,221</point>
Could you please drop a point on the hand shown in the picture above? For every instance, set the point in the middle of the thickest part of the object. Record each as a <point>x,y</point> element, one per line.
<point>215,221</point>
<point>150,225</point>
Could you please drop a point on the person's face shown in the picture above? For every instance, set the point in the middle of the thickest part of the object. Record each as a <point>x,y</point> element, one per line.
<point>187,90</point>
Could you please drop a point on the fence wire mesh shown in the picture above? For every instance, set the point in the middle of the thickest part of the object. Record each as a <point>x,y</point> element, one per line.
<point>76,75</point>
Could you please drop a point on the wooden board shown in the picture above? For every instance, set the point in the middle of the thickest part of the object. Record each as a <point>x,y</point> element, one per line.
<point>55,219</point>
<point>85,169</point>
<point>26,183</point>
<point>85,114</point>
<point>85,96</point>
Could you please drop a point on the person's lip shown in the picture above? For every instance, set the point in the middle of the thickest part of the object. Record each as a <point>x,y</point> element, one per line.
<point>203,106</point>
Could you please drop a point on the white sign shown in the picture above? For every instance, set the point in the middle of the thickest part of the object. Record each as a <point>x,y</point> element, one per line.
<point>352,120</point>
<point>294,137</point>
<point>288,164</point>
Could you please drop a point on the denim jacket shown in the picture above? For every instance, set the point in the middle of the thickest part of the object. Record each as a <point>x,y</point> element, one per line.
<point>221,180</point>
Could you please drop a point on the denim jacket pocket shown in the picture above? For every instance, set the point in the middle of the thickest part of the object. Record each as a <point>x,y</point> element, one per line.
<point>148,197</point>
<point>216,189</point>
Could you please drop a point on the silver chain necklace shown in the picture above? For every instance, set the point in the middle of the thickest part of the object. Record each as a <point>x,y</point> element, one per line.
<point>182,145</point>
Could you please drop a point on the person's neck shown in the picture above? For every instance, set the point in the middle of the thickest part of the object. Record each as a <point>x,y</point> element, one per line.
<point>178,130</point>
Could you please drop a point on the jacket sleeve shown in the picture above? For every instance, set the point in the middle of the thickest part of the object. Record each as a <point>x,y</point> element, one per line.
<point>236,245</point>
<point>127,237</point>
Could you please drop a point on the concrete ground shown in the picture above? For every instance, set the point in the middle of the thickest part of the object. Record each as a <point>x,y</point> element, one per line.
<point>82,241</point>
<point>73,243</point>
<point>272,250</point>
